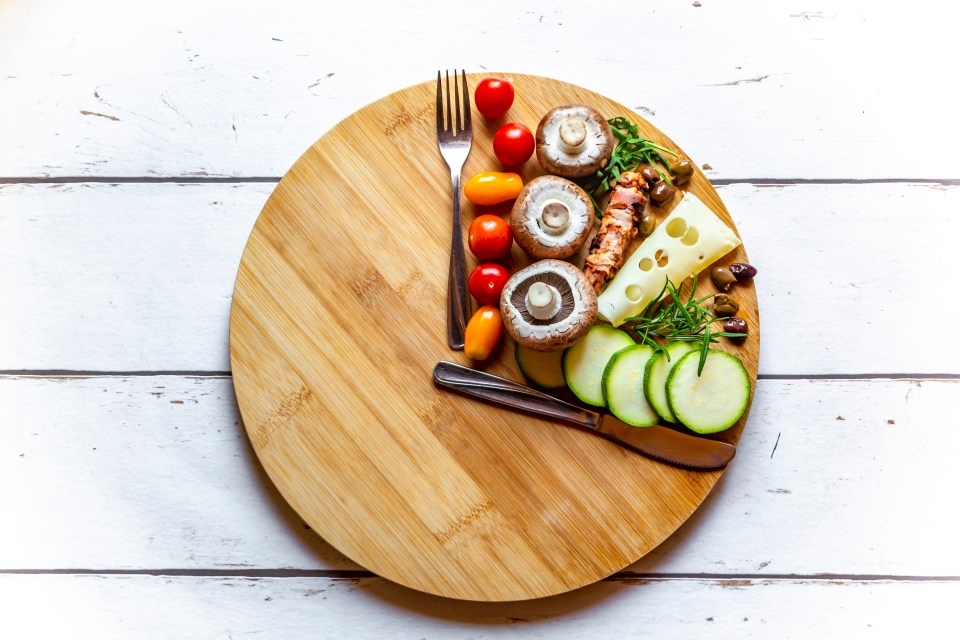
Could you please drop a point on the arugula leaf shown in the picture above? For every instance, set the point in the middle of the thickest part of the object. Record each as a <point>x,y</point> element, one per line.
<point>631,151</point>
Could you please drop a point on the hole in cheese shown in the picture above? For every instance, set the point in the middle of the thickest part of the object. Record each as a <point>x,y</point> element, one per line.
<point>646,264</point>
<point>676,227</point>
<point>690,237</point>
<point>662,258</point>
<point>634,293</point>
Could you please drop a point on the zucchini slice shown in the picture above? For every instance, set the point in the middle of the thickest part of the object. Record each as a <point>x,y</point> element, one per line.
<point>714,400</point>
<point>584,362</point>
<point>543,368</point>
<point>655,377</point>
<point>623,386</point>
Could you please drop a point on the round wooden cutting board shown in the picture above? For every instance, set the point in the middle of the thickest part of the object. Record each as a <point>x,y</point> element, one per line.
<point>338,319</point>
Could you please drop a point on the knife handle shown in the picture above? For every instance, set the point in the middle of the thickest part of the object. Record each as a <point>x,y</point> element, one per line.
<point>495,389</point>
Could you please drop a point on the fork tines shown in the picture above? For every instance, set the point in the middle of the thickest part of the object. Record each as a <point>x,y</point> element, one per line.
<point>451,127</point>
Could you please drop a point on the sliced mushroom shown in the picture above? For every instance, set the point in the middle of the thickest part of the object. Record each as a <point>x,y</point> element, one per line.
<point>548,305</point>
<point>551,218</point>
<point>573,141</point>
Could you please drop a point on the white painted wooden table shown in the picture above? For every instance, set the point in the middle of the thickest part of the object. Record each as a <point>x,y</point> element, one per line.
<point>139,141</point>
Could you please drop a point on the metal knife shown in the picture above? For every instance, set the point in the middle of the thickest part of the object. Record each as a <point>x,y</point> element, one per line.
<point>657,442</point>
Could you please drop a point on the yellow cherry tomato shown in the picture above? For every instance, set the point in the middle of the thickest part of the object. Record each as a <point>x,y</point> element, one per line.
<point>483,332</point>
<point>492,187</point>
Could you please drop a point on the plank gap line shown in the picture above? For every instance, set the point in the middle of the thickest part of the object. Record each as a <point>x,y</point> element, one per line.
<point>354,574</point>
<point>140,180</point>
<point>777,182</point>
<point>86,373</point>
<point>853,577</point>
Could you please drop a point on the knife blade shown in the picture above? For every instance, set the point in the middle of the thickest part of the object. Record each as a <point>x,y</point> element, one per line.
<point>657,441</point>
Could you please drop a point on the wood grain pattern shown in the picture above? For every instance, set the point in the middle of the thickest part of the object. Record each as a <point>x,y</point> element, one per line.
<point>337,321</point>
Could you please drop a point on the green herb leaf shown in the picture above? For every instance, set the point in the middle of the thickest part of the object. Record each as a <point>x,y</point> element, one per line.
<point>669,318</point>
<point>631,151</point>
<point>704,350</point>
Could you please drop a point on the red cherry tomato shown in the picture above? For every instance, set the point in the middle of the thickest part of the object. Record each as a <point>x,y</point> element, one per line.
<point>513,144</point>
<point>490,237</point>
<point>486,282</point>
<point>493,97</point>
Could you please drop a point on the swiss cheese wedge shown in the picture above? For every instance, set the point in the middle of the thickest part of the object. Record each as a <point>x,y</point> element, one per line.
<point>690,239</point>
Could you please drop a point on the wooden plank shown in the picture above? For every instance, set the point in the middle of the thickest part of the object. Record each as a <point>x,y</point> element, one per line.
<point>139,277</point>
<point>141,472</point>
<point>843,268</point>
<point>831,477</point>
<point>753,89</point>
<point>128,277</point>
<point>170,608</point>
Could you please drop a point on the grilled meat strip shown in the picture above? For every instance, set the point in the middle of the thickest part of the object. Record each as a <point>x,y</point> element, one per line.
<point>617,228</point>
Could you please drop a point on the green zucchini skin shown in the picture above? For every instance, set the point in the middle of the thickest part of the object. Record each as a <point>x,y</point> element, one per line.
<point>623,386</point>
<point>544,369</point>
<point>585,362</point>
<point>714,400</point>
<point>655,377</point>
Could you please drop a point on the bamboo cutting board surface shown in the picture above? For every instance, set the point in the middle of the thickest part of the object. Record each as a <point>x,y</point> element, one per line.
<point>338,319</point>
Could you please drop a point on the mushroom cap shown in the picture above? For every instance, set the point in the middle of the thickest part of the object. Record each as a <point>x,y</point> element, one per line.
<point>529,229</point>
<point>597,146</point>
<point>578,310</point>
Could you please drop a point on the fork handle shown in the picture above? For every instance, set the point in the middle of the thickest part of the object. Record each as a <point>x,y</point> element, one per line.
<point>457,300</point>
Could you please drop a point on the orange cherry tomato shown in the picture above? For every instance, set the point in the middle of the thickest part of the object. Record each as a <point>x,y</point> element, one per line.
<point>483,332</point>
<point>492,187</point>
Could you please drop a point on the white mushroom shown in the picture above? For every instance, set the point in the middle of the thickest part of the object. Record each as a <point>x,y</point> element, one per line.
<point>542,301</point>
<point>573,141</point>
<point>548,306</point>
<point>551,218</point>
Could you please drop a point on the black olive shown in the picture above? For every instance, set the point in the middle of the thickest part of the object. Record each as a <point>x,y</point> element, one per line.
<point>661,193</point>
<point>735,325</point>
<point>742,271</point>
<point>682,171</point>
<point>649,173</point>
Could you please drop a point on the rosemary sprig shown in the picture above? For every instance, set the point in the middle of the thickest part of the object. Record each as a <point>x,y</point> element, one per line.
<point>668,317</point>
<point>631,151</point>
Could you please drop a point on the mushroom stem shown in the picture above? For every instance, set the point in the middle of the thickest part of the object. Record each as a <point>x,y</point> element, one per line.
<point>573,135</point>
<point>554,217</point>
<point>542,300</point>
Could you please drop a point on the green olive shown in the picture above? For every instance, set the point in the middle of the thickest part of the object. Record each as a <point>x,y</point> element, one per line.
<point>661,193</point>
<point>682,171</point>
<point>647,224</point>
<point>722,278</point>
<point>724,305</point>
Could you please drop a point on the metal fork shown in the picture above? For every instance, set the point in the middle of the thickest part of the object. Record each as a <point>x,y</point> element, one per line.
<point>454,139</point>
